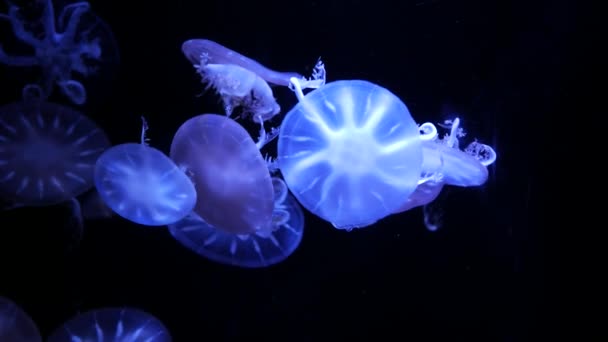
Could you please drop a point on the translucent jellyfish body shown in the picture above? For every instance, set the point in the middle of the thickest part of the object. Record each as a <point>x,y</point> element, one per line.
<point>229,173</point>
<point>350,152</point>
<point>112,324</point>
<point>75,41</point>
<point>143,185</point>
<point>15,324</point>
<point>246,250</point>
<point>47,153</point>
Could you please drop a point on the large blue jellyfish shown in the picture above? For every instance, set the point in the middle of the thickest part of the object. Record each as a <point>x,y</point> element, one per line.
<point>240,81</point>
<point>15,324</point>
<point>47,153</point>
<point>243,216</point>
<point>350,152</point>
<point>141,184</point>
<point>112,324</point>
<point>74,41</point>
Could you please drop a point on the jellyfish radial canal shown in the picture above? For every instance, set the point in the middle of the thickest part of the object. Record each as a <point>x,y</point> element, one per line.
<point>350,152</point>
<point>247,250</point>
<point>112,324</point>
<point>143,185</point>
<point>47,153</point>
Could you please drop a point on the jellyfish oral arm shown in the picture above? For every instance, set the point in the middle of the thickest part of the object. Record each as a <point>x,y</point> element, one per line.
<point>216,53</point>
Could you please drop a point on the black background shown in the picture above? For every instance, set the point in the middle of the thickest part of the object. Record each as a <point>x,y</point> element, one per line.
<point>481,276</point>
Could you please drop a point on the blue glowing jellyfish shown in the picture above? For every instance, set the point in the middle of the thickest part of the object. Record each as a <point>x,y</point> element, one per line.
<point>73,41</point>
<point>15,324</point>
<point>243,217</point>
<point>350,152</point>
<point>143,185</point>
<point>112,324</point>
<point>229,173</point>
<point>445,164</point>
<point>240,81</point>
<point>246,250</point>
<point>47,153</point>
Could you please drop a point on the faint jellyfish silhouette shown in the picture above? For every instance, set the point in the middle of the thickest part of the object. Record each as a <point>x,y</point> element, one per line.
<point>143,185</point>
<point>15,324</point>
<point>75,41</point>
<point>112,324</point>
<point>243,217</point>
<point>350,152</point>
<point>240,81</point>
<point>47,153</point>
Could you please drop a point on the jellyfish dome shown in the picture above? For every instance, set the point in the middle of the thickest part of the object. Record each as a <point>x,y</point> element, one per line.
<point>247,250</point>
<point>15,324</point>
<point>143,185</point>
<point>233,186</point>
<point>350,153</point>
<point>112,324</point>
<point>47,153</point>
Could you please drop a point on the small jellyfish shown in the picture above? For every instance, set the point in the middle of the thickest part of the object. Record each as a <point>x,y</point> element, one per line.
<point>229,173</point>
<point>47,153</point>
<point>247,250</point>
<point>75,41</point>
<point>143,185</point>
<point>15,324</point>
<point>240,81</point>
<point>112,324</point>
<point>350,152</point>
<point>444,161</point>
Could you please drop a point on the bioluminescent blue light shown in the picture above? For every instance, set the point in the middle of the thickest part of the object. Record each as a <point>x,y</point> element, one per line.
<point>47,153</point>
<point>15,324</point>
<point>443,159</point>
<point>350,152</point>
<point>112,324</point>
<point>246,250</point>
<point>143,185</point>
<point>75,41</point>
<point>425,193</point>
<point>230,175</point>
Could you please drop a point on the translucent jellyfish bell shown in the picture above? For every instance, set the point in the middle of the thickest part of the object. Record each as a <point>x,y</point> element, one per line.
<point>112,324</point>
<point>230,175</point>
<point>143,185</point>
<point>15,324</point>
<point>350,152</point>
<point>247,250</point>
<point>47,153</point>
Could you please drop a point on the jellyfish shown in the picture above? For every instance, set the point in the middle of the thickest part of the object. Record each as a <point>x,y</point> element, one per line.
<point>15,324</point>
<point>445,164</point>
<point>112,324</point>
<point>74,41</point>
<point>47,153</point>
<point>143,185</point>
<point>350,152</point>
<point>241,81</point>
<point>252,250</point>
<point>243,216</point>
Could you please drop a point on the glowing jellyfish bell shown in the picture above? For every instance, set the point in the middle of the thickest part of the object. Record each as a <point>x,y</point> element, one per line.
<point>47,153</point>
<point>243,217</point>
<point>112,324</point>
<point>141,184</point>
<point>15,324</point>
<point>350,152</point>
